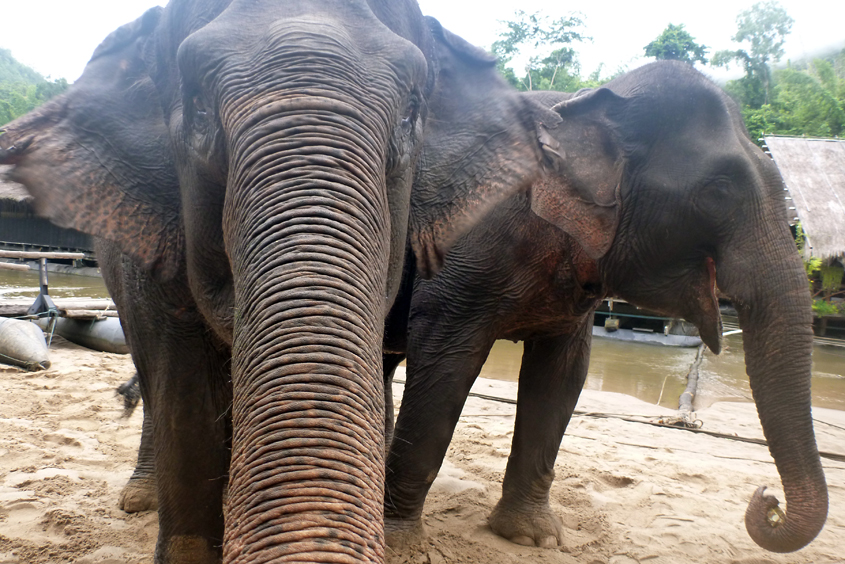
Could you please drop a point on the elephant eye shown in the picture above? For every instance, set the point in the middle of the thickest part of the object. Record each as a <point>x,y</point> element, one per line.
<point>199,107</point>
<point>198,115</point>
<point>409,116</point>
<point>717,196</point>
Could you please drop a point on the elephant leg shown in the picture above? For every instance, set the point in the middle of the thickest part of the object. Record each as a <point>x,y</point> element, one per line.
<point>389,362</point>
<point>189,398</point>
<point>186,390</point>
<point>438,383</point>
<point>550,381</point>
<point>139,493</point>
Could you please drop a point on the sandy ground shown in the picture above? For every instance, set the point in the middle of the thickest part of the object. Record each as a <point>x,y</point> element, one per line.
<point>626,492</point>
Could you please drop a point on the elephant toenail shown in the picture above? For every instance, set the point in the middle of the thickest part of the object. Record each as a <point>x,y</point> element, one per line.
<point>548,542</point>
<point>523,540</point>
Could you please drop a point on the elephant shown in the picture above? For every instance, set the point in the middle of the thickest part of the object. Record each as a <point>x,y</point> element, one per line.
<point>247,169</point>
<point>649,190</point>
<point>139,493</point>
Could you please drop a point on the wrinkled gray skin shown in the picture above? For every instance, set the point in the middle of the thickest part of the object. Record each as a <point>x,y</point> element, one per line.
<point>650,191</point>
<point>248,167</point>
<point>139,493</point>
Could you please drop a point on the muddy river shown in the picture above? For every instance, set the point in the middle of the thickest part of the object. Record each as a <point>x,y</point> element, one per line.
<point>656,374</point>
<point>21,284</point>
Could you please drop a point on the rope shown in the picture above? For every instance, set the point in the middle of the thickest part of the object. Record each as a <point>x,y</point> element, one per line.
<point>632,419</point>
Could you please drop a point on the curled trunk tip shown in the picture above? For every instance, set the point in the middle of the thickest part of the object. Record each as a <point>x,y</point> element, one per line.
<point>781,532</point>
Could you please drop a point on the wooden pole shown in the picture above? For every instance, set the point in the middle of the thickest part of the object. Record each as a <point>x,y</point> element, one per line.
<point>13,266</point>
<point>40,255</point>
<point>17,307</point>
<point>88,313</point>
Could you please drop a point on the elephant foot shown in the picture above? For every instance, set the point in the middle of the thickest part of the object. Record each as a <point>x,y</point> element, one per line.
<point>139,495</point>
<point>536,525</point>
<point>401,533</point>
<point>189,549</point>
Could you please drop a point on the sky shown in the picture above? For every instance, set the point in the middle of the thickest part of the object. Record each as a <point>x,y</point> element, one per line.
<point>57,37</point>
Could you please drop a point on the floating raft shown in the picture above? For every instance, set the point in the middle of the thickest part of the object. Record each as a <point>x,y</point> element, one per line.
<point>647,337</point>
<point>91,323</point>
<point>99,334</point>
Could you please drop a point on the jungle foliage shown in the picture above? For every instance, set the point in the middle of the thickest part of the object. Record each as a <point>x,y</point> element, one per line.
<point>22,89</point>
<point>825,277</point>
<point>676,44</point>
<point>804,98</point>
<point>552,63</point>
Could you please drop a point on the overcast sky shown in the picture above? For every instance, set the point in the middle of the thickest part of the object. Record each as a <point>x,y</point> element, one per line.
<point>56,37</point>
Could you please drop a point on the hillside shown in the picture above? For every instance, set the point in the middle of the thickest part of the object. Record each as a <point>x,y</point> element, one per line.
<point>22,88</point>
<point>13,71</point>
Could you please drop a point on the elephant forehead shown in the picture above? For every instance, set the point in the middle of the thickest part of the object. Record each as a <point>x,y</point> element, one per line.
<point>244,39</point>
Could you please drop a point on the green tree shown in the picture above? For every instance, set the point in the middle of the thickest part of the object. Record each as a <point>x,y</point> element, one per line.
<point>556,68</point>
<point>22,89</point>
<point>677,44</point>
<point>764,28</point>
<point>804,102</point>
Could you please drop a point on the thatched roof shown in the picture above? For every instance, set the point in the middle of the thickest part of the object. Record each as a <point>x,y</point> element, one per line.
<point>12,190</point>
<point>814,173</point>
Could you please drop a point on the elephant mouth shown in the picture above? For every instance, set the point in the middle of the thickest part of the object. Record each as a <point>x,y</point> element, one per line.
<point>707,318</point>
<point>11,155</point>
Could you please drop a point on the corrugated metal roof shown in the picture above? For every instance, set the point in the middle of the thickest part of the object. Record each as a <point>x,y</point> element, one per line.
<point>814,173</point>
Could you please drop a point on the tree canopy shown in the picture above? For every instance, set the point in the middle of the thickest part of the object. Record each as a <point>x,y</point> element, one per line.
<point>806,99</point>
<point>22,89</point>
<point>677,44</point>
<point>764,28</point>
<point>553,63</point>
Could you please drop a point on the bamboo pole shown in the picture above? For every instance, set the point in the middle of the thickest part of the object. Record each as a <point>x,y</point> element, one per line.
<point>88,313</point>
<point>13,266</point>
<point>18,307</point>
<point>40,255</point>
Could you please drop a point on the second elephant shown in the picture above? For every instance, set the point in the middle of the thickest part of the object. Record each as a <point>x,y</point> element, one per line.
<point>650,190</point>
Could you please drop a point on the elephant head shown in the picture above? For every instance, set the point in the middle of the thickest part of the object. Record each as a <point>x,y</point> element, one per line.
<point>282,138</point>
<point>97,159</point>
<point>655,176</point>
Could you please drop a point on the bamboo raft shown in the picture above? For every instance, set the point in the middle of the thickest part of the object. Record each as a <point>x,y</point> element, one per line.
<point>92,323</point>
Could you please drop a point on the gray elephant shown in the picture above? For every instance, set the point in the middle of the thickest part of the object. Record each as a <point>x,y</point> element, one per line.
<point>248,167</point>
<point>648,189</point>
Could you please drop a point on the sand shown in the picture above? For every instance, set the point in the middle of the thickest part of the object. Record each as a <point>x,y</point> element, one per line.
<point>626,492</point>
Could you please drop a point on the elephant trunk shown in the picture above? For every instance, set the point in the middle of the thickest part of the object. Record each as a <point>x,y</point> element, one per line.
<point>776,319</point>
<point>307,230</point>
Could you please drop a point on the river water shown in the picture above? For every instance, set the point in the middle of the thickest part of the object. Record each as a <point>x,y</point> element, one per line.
<point>21,284</point>
<point>655,374</point>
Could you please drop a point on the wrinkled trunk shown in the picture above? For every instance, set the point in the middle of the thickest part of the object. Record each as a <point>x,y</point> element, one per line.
<point>308,235</point>
<point>775,315</point>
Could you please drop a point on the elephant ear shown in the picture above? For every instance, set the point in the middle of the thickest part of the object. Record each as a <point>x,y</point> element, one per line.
<point>479,148</point>
<point>583,159</point>
<point>129,33</point>
<point>98,159</point>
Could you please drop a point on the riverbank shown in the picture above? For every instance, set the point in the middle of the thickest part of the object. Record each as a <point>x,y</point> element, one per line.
<point>626,492</point>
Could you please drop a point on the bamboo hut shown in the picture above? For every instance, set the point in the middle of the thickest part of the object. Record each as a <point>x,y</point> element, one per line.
<point>814,173</point>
